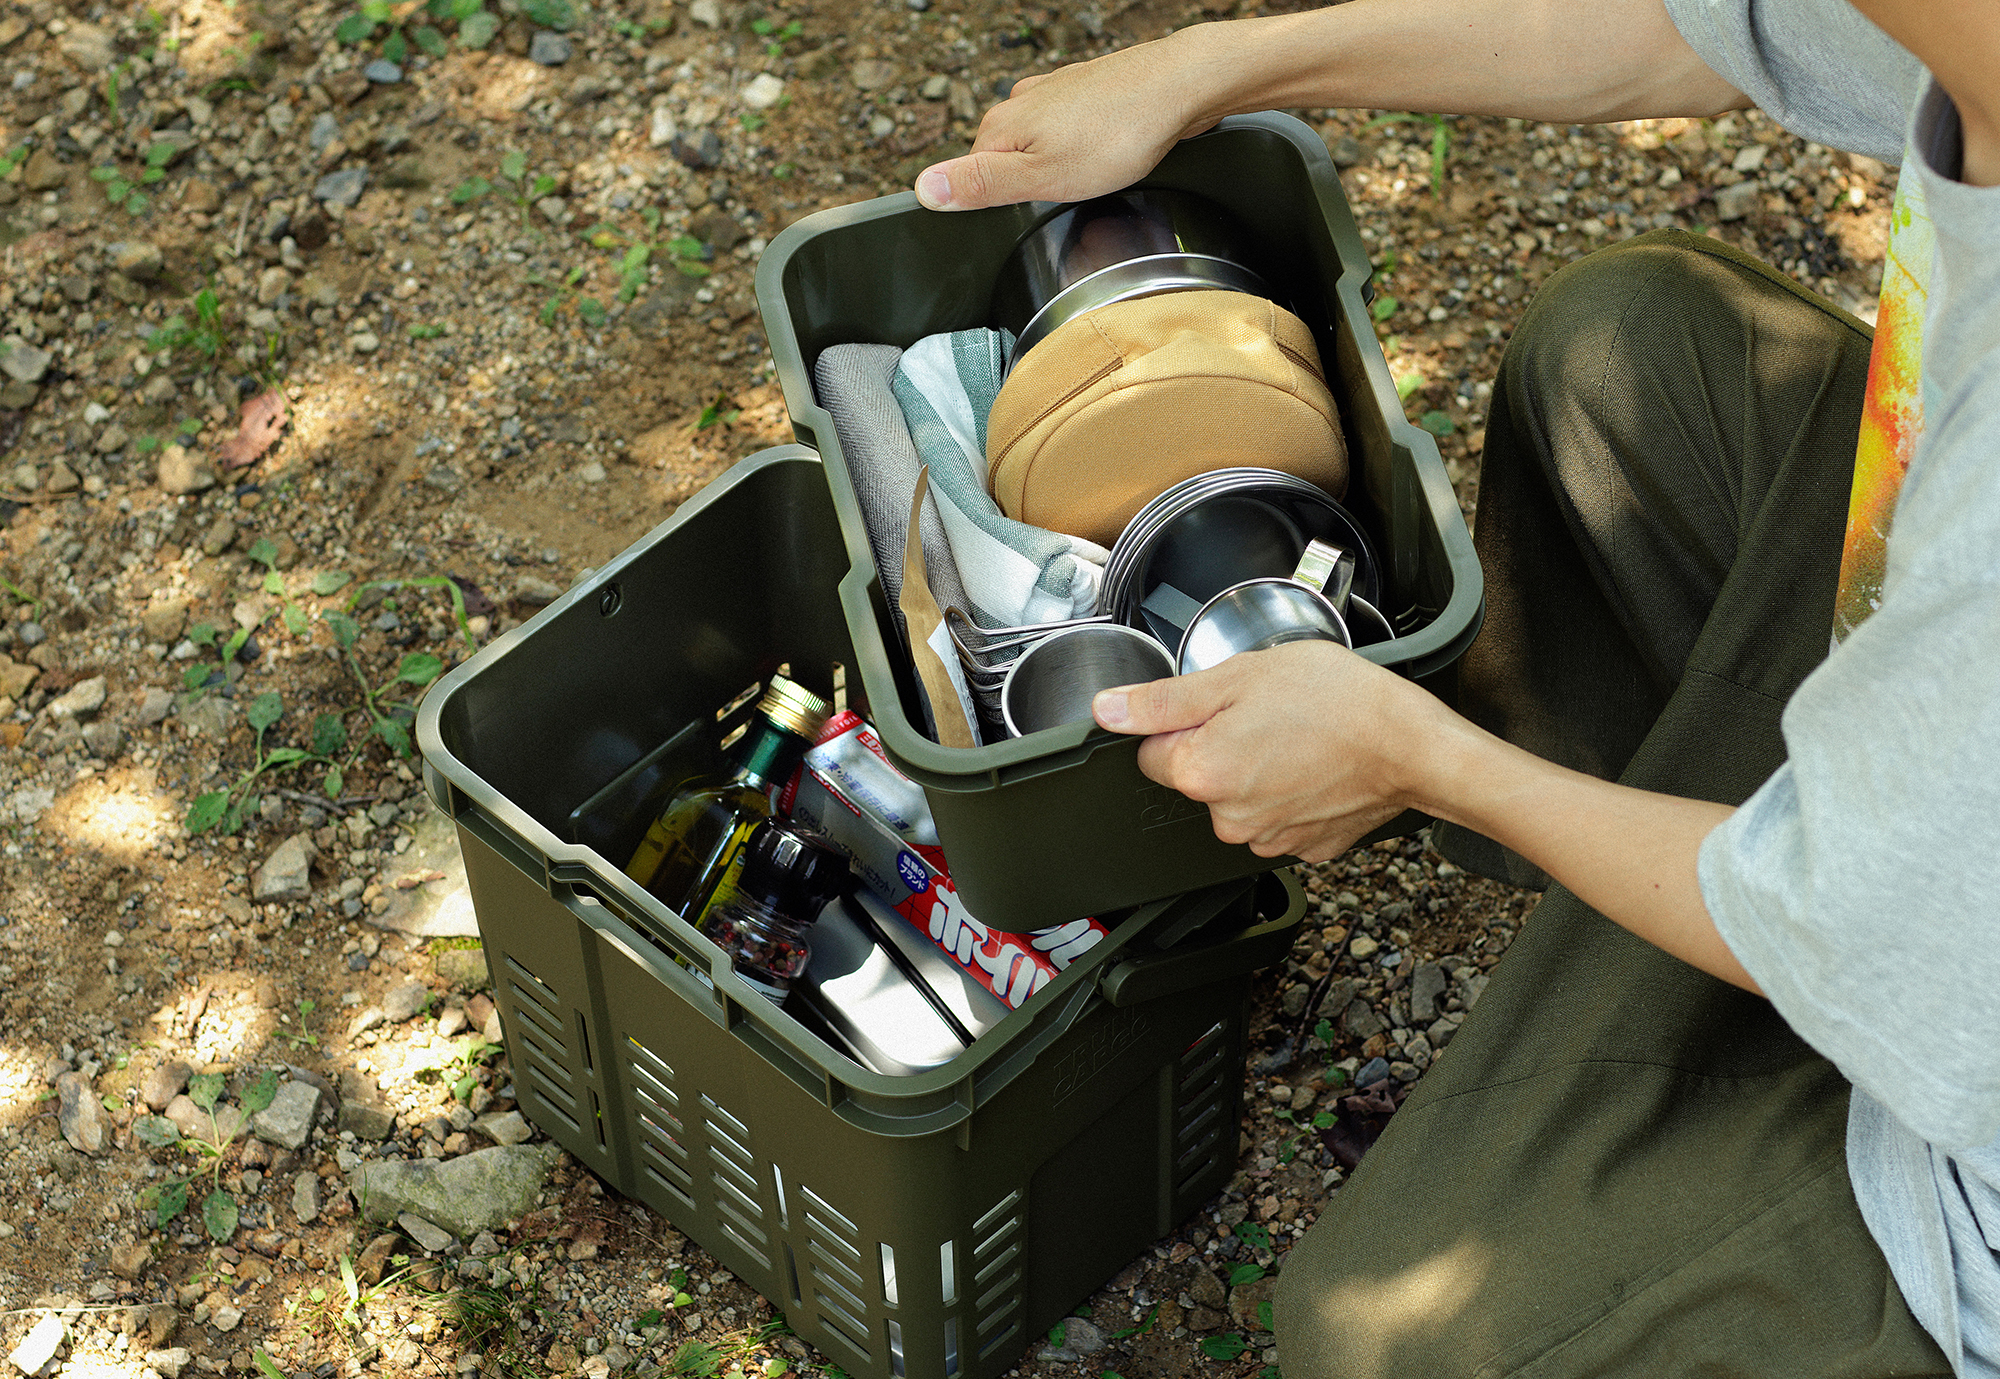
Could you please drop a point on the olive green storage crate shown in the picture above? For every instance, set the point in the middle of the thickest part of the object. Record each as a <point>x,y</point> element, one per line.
<point>927,1226</point>
<point>1062,822</point>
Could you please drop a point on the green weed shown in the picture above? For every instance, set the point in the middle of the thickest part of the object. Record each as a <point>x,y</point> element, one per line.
<point>1440,141</point>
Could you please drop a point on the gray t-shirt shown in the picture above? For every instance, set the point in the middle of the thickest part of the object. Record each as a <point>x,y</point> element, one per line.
<point>1857,885</point>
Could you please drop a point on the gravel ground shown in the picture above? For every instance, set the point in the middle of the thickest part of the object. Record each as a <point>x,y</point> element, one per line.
<point>490,386</point>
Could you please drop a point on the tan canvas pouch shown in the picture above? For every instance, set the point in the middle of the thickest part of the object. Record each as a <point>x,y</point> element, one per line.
<point>1126,401</point>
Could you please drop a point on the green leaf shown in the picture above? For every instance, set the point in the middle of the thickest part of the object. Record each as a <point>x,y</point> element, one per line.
<point>205,1089</point>
<point>395,734</point>
<point>172,1201</point>
<point>219,1214</point>
<point>1407,385</point>
<point>761,27</point>
<point>513,165</point>
<point>330,581</point>
<point>1325,1120</point>
<point>682,1300</point>
<point>266,709</point>
<point>1227,1346</point>
<point>1255,1236</point>
<point>396,48</point>
<point>1245,1273</point>
<point>591,310</point>
<point>353,29</point>
<point>465,9</point>
<point>203,634</point>
<point>470,189</point>
<point>194,676</point>
<point>161,153</point>
<point>336,781</point>
<point>477,30</point>
<point>329,735</point>
<point>550,14</point>
<point>652,1316</point>
<point>103,174</point>
<point>235,643</point>
<point>432,41</point>
<point>1384,307</point>
<point>425,331</point>
<point>206,811</point>
<point>419,668</point>
<point>544,185</point>
<point>462,1089</point>
<point>150,176</point>
<point>547,314</point>
<point>157,1131</point>
<point>1323,1031</point>
<point>265,552</point>
<point>285,756</point>
<point>1058,1333</point>
<point>348,1281</point>
<point>266,1365</point>
<point>345,629</point>
<point>260,1093</point>
<point>274,583</point>
<point>1264,1315</point>
<point>295,620</point>
<point>1437,423</point>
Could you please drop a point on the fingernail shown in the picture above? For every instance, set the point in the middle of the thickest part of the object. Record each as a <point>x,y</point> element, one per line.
<point>1112,708</point>
<point>934,190</point>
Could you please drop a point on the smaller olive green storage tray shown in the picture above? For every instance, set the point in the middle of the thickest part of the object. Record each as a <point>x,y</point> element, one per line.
<point>1062,822</point>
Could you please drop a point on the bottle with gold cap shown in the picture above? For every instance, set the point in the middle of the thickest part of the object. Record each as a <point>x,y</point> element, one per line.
<point>691,854</point>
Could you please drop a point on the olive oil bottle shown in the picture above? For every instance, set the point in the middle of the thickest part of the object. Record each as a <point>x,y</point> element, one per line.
<point>689,857</point>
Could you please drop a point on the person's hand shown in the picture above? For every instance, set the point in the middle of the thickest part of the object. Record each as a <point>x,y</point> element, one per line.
<point>1077,132</point>
<point>1297,750</point>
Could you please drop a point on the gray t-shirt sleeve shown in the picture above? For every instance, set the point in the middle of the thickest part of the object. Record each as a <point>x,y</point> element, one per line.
<point>1818,67</point>
<point>1858,886</point>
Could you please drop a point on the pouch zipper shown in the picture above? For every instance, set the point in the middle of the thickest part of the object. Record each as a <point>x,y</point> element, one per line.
<point>1097,376</point>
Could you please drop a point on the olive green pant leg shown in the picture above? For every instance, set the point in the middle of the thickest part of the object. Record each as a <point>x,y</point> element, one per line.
<point>1620,1165</point>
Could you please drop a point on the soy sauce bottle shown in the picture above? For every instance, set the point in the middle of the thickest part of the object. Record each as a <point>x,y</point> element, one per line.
<point>787,877</point>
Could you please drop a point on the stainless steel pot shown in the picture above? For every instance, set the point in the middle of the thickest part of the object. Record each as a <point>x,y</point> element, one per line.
<point>1115,248</point>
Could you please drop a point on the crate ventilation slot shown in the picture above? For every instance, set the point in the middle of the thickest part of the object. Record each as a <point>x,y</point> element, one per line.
<point>538,1028</point>
<point>834,1262</point>
<point>663,1150</point>
<point>733,1171</point>
<point>1201,1097</point>
<point>996,1278</point>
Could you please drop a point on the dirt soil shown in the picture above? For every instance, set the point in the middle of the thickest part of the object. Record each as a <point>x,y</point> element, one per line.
<point>488,388</point>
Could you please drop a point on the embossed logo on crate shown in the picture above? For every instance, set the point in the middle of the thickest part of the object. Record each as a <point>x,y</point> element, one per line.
<point>1095,1048</point>
<point>1160,806</point>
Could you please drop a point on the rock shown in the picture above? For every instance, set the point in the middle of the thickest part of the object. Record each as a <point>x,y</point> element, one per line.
<point>592,472</point>
<point>130,1261</point>
<point>209,716</point>
<point>226,1318</point>
<point>1734,203</point>
<point>39,1346</point>
<point>310,231</point>
<point>223,1126</point>
<point>935,88</point>
<point>364,342</point>
<point>271,284</point>
<point>471,1193</point>
<point>82,699</point>
<point>366,1120</point>
<point>1360,1021</point>
<point>703,150</point>
<point>1346,151</point>
<point>155,705</point>
<point>464,969</point>
<point>162,622</point>
<point>719,228</point>
<point>163,1083</point>
<point>287,873</point>
<point>348,87</point>
<point>288,1121</point>
<point>1427,984</point>
<point>707,13</point>
<point>305,1197</point>
<point>549,49</point>
<point>168,1364</point>
<point>662,129</point>
<point>17,396</point>
<point>1373,1071</point>
<point>109,442</point>
<point>1207,1289</point>
<point>343,187</point>
<point>872,74</point>
<point>763,91</point>
<point>1082,1335</point>
<point>62,479</point>
<point>88,46</point>
<point>22,362</point>
<point>138,259</point>
<point>1750,157</point>
<point>428,1237</point>
<point>1246,1302</point>
<point>44,172</point>
<point>554,209</point>
<point>82,1117</point>
<point>405,1002</point>
<point>1361,948</point>
<point>181,472</point>
<point>1471,985</point>
<point>382,72</point>
<point>161,1323</point>
<point>202,195</point>
<point>505,1127</point>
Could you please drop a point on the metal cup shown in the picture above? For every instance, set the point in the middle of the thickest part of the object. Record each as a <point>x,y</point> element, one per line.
<point>1262,613</point>
<point>1053,681</point>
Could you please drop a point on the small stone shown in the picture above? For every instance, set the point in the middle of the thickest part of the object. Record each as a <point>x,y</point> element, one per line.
<point>1373,1071</point>
<point>16,396</point>
<point>168,1364</point>
<point>287,873</point>
<point>224,1124</point>
<point>155,704</point>
<point>365,1120</point>
<point>662,129</point>
<point>181,472</point>
<point>763,91</point>
<point>1360,1021</point>
<point>707,13</point>
<point>163,1083</point>
<point>872,74</point>
<point>343,187</point>
<point>505,1127</point>
<point>704,150</point>
<point>305,1197</point>
<point>88,46</point>
<point>130,1261</point>
<point>271,284</point>
<point>1361,948</point>
<point>405,1002</point>
<point>209,716</point>
<point>226,1318</point>
<point>364,342</point>
<point>1246,1302</point>
<point>287,1122</point>
<point>1734,203</point>
<point>549,49</point>
<point>1427,984</point>
<point>426,1234</point>
<point>45,172</point>
<point>82,1117</point>
<point>554,209</point>
<point>592,472</point>
<point>39,1346</point>
<point>1082,1336</point>
<point>202,195</point>
<point>84,698</point>
<point>464,969</point>
<point>138,259</point>
<point>382,72</point>
<point>1750,157</point>
<point>22,362</point>
<point>471,1193</point>
<point>935,88</point>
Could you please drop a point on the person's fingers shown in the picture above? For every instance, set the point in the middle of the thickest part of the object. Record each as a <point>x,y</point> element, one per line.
<point>990,177</point>
<point>1162,706</point>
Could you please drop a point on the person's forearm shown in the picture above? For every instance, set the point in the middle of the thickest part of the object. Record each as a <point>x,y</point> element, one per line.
<point>1629,854</point>
<point>1542,59</point>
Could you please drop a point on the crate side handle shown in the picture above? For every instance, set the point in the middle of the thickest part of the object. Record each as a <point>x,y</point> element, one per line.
<point>1134,980</point>
<point>495,835</point>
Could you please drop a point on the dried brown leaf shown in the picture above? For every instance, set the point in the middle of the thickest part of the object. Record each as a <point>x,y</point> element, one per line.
<point>263,418</point>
